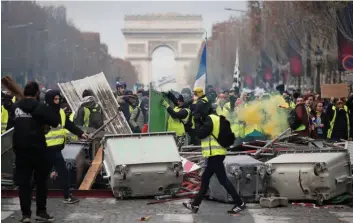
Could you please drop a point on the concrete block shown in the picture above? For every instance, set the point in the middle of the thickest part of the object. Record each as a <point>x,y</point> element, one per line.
<point>273,202</point>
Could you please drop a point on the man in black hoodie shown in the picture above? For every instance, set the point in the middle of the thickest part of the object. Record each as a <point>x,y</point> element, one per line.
<point>30,120</point>
<point>56,142</point>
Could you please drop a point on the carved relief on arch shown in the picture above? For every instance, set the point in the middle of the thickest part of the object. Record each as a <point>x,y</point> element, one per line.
<point>136,48</point>
<point>152,45</point>
<point>189,48</point>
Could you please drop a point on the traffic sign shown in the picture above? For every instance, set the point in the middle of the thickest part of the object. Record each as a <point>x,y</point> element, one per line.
<point>347,63</point>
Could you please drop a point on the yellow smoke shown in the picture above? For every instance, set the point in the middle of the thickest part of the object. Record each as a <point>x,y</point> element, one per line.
<point>266,115</point>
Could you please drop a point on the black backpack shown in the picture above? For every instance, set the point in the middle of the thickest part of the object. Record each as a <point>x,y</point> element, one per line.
<point>293,119</point>
<point>226,137</point>
<point>95,117</point>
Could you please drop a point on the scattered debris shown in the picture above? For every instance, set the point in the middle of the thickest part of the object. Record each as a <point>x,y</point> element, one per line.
<point>273,202</point>
<point>146,218</point>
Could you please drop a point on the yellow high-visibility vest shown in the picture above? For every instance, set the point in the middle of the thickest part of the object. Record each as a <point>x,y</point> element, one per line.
<point>209,145</point>
<point>223,111</point>
<point>69,135</point>
<point>56,136</point>
<point>332,123</point>
<point>4,119</point>
<point>177,125</point>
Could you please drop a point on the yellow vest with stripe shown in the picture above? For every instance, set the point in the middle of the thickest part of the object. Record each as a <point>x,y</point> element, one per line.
<point>69,135</point>
<point>332,123</point>
<point>177,125</point>
<point>209,145</point>
<point>4,119</point>
<point>56,136</point>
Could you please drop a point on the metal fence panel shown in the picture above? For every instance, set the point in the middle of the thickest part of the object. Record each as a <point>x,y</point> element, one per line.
<point>104,96</point>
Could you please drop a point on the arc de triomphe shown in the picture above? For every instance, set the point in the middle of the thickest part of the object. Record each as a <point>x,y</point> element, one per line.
<point>145,33</point>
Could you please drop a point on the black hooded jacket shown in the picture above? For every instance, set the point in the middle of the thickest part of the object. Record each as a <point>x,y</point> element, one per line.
<point>30,119</point>
<point>69,125</point>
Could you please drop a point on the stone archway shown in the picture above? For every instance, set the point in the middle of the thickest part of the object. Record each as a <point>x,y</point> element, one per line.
<point>145,33</point>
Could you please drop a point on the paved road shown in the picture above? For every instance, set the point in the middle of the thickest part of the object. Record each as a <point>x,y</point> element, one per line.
<point>113,211</point>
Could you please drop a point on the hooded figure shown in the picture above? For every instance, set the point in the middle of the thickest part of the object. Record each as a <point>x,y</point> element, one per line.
<point>49,99</point>
<point>89,114</point>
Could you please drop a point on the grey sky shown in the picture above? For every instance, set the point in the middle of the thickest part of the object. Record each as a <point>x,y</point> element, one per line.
<point>107,18</point>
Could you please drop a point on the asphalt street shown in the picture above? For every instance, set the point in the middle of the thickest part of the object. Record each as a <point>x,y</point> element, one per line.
<point>112,210</point>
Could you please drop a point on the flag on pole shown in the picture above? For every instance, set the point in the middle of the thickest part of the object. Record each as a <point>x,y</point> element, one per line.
<point>201,73</point>
<point>236,75</point>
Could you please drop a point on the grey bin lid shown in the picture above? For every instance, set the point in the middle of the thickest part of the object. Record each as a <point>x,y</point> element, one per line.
<point>71,151</point>
<point>140,150</point>
<point>241,160</point>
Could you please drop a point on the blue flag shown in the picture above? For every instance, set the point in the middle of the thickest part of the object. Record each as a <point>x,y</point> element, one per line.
<point>201,73</point>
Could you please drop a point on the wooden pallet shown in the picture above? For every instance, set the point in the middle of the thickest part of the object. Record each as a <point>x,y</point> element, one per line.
<point>92,171</point>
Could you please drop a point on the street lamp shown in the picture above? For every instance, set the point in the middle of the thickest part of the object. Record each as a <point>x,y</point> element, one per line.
<point>235,10</point>
<point>20,26</point>
<point>318,55</point>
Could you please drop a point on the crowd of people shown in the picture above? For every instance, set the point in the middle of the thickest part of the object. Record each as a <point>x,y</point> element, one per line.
<point>198,117</point>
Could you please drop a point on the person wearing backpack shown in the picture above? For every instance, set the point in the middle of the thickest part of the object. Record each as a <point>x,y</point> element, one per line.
<point>139,116</point>
<point>216,136</point>
<point>89,114</point>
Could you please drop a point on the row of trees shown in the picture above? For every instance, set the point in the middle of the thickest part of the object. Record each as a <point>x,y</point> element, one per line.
<point>296,42</point>
<point>38,43</point>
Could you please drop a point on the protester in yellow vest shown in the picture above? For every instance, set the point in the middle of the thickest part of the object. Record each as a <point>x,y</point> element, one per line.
<point>55,140</point>
<point>223,108</point>
<point>339,121</point>
<point>178,117</point>
<point>7,103</point>
<point>208,129</point>
<point>199,99</point>
<point>300,110</point>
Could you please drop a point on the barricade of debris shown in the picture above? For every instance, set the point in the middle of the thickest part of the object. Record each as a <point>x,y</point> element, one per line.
<point>287,167</point>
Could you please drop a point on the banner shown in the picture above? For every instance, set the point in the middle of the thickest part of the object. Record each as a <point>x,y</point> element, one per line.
<point>334,90</point>
<point>158,116</point>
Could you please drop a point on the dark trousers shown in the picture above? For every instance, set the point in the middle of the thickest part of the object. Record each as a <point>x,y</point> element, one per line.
<point>26,166</point>
<point>59,164</point>
<point>214,165</point>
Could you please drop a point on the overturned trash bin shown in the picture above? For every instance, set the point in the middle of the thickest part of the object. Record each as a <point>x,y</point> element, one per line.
<point>310,175</point>
<point>140,165</point>
<point>247,175</point>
